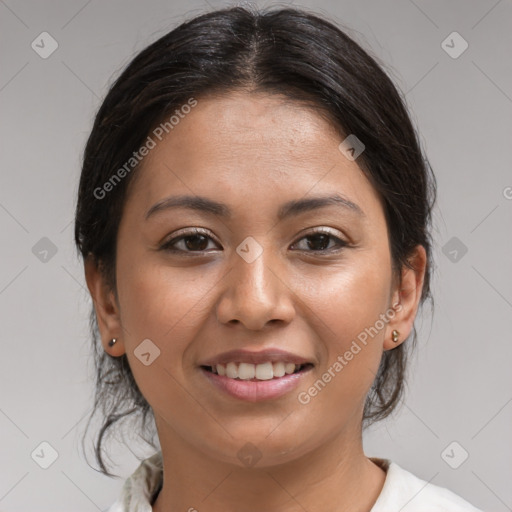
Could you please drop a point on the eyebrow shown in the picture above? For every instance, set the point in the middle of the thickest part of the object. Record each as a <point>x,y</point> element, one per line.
<point>291,208</point>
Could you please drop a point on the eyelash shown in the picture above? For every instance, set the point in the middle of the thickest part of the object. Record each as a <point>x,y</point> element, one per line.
<point>167,246</point>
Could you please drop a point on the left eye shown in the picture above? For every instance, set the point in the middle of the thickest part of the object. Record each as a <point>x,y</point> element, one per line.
<point>319,241</point>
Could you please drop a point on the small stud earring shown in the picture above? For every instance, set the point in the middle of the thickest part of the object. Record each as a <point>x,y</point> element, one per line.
<point>394,336</point>
<point>112,342</point>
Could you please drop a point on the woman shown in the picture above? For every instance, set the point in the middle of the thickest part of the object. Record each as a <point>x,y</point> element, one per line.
<point>254,213</point>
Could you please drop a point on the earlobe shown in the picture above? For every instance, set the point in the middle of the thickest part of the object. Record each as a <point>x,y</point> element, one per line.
<point>106,309</point>
<point>406,299</point>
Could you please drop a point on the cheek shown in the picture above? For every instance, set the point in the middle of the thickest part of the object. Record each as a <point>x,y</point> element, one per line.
<point>350,299</point>
<point>164,305</point>
<point>352,335</point>
<point>349,307</point>
<point>167,305</point>
<point>157,299</point>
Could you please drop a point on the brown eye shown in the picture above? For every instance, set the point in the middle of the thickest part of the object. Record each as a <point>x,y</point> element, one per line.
<point>196,242</point>
<point>319,242</point>
<point>193,241</point>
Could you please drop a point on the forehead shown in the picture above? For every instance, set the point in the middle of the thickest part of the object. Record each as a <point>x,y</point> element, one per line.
<point>249,147</point>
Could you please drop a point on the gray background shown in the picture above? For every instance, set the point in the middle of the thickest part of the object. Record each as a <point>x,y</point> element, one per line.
<point>460,388</point>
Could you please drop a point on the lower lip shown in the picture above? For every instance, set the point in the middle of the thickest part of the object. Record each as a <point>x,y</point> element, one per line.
<point>256,391</point>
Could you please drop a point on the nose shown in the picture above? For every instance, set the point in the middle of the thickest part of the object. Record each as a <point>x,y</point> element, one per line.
<point>256,294</point>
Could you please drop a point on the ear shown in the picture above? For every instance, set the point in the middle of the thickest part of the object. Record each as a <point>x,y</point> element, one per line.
<point>106,308</point>
<point>406,298</point>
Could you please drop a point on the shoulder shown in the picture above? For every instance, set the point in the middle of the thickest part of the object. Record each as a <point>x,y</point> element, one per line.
<point>406,492</point>
<point>141,487</point>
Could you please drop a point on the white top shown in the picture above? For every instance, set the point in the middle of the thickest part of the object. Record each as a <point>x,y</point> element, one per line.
<point>402,491</point>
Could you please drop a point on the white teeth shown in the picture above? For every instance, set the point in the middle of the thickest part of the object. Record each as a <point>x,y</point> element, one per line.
<point>289,368</point>
<point>248,371</point>
<point>278,369</point>
<point>232,370</point>
<point>264,371</point>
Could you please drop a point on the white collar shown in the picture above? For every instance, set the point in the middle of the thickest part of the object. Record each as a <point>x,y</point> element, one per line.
<point>401,491</point>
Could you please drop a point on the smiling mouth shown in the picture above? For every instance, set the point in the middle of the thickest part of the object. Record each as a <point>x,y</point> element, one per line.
<point>257,372</point>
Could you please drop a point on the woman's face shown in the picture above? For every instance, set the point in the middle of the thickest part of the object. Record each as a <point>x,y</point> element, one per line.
<point>257,277</point>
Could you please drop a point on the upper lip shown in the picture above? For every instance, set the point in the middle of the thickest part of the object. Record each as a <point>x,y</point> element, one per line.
<point>273,355</point>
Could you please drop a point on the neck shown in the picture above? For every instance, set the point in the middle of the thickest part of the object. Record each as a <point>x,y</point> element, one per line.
<point>334,477</point>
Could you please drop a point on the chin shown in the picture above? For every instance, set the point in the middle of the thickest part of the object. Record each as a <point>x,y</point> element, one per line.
<point>259,450</point>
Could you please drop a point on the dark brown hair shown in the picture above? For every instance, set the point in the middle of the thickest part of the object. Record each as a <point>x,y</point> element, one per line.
<point>289,52</point>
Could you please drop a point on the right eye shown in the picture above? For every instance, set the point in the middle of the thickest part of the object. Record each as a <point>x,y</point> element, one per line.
<point>192,241</point>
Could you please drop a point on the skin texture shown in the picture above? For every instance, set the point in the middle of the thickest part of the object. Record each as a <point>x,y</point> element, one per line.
<point>254,152</point>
